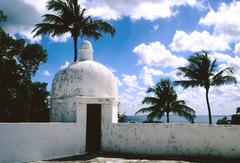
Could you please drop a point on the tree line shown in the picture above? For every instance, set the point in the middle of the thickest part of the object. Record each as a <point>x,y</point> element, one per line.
<point>22,100</point>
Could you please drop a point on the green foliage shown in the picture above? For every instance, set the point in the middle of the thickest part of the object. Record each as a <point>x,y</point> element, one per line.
<point>121,117</point>
<point>21,99</point>
<point>201,71</point>
<point>236,117</point>
<point>223,121</point>
<point>235,120</point>
<point>165,101</point>
<point>238,110</point>
<point>3,17</point>
<point>70,17</point>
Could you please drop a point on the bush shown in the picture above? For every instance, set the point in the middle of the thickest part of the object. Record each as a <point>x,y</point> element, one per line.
<point>223,121</point>
<point>235,119</point>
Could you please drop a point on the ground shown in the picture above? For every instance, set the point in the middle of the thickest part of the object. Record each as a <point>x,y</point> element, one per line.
<point>116,158</point>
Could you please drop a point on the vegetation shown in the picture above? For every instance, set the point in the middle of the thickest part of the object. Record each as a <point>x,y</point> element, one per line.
<point>236,117</point>
<point>21,99</point>
<point>121,117</point>
<point>70,17</point>
<point>3,17</point>
<point>165,101</point>
<point>223,121</point>
<point>201,71</point>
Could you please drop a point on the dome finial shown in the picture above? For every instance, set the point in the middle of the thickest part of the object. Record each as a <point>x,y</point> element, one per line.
<point>86,51</point>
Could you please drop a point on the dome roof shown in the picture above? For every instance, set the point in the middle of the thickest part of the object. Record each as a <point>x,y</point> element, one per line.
<point>85,78</point>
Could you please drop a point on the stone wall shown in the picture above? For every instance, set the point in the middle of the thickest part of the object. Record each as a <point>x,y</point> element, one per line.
<point>20,142</point>
<point>172,139</point>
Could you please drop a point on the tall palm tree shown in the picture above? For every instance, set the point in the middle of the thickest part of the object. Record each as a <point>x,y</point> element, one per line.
<point>70,17</point>
<point>202,71</point>
<point>165,101</point>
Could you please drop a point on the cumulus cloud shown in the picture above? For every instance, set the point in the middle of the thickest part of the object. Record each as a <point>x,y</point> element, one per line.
<point>130,80</point>
<point>135,9</point>
<point>62,38</point>
<point>119,83</point>
<point>65,65</point>
<point>46,73</point>
<point>225,20</point>
<point>147,75</point>
<point>197,41</point>
<point>155,27</point>
<point>237,48</point>
<point>131,97</point>
<point>156,54</point>
<point>21,18</point>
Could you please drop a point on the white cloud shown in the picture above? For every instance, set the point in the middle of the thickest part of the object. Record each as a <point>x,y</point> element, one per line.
<point>225,20</point>
<point>237,48</point>
<point>65,65</point>
<point>135,9</point>
<point>147,75</point>
<point>21,18</point>
<point>46,73</point>
<point>229,60</point>
<point>197,41</point>
<point>156,54</point>
<point>155,27</point>
<point>130,80</point>
<point>112,69</point>
<point>62,38</point>
<point>105,12</point>
<point>39,5</point>
<point>119,83</point>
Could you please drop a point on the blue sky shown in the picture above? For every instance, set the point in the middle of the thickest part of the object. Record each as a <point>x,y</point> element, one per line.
<point>153,38</point>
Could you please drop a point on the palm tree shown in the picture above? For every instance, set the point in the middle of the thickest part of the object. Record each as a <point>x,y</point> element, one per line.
<point>201,71</point>
<point>165,101</point>
<point>70,17</point>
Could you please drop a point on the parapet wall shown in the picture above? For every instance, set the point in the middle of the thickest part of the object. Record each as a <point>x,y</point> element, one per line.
<point>21,142</point>
<point>172,139</point>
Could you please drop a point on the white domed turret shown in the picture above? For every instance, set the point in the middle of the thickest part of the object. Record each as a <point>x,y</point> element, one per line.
<point>83,79</point>
<point>86,78</point>
<point>86,51</point>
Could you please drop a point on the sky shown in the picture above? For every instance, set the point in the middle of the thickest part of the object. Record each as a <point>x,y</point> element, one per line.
<point>153,38</point>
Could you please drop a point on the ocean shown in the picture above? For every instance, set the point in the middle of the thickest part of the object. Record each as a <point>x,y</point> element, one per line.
<point>200,119</point>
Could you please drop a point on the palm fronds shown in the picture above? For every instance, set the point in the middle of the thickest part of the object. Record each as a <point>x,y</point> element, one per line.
<point>165,101</point>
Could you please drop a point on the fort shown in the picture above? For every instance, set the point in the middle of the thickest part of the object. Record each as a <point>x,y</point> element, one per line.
<point>83,115</point>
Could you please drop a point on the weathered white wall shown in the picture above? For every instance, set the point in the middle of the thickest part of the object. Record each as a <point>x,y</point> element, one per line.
<point>172,139</point>
<point>41,141</point>
<point>36,141</point>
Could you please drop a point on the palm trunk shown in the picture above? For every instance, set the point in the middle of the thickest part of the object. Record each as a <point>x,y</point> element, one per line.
<point>209,109</point>
<point>167,117</point>
<point>75,48</point>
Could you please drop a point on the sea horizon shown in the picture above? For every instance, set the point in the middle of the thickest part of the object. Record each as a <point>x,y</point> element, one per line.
<point>200,119</point>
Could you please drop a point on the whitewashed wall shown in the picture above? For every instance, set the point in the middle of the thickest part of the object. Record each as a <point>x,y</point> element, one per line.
<point>36,141</point>
<point>172,139</point>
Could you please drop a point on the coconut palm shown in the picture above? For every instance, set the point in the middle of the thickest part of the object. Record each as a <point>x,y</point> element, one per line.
<point>201,71</point>
<point>165,101</point>
<point>70,17</point>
